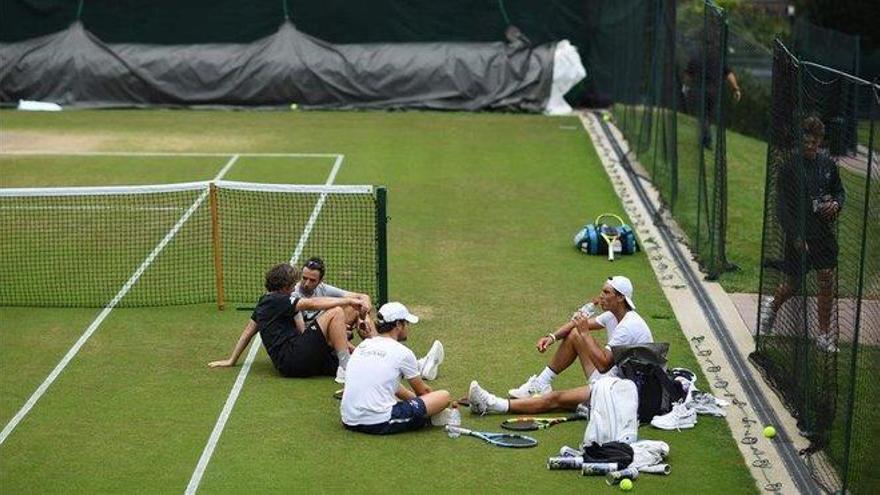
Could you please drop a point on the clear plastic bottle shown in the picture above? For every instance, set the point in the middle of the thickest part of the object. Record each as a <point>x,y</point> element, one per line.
<point>587,310</point>
<point>454,421</point>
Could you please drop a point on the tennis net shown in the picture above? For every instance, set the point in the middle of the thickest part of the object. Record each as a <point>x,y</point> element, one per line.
<point>186,243</point>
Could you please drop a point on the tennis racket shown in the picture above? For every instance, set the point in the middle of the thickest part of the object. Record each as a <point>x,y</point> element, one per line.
<point>510,440</point>
<point>532,423</point>
<point>609,228</point>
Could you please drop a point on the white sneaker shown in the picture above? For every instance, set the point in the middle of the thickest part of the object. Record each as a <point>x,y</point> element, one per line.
<point>483,402</point>
<point>530,388</point>
<point>340,375</point>
<point>767,315</point>
<point>679,418</point>
<point>825,342</point>
<point>430,364</point>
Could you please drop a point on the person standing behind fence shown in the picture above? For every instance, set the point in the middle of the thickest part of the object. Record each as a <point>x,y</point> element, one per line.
<point>692,83</point>
<point>814,194</point>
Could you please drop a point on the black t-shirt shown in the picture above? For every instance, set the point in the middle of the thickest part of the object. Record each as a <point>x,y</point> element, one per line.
<point>274,317</point>
<point>798,189</point>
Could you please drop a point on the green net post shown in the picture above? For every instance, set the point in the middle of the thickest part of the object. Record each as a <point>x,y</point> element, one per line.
<point>382,245</point>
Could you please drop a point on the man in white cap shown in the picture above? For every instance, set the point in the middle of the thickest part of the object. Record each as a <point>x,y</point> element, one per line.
<point>623,326</point>
<point>374,401</point>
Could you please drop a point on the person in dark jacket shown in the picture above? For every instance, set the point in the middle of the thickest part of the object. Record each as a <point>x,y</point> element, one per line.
<point>809,201</point>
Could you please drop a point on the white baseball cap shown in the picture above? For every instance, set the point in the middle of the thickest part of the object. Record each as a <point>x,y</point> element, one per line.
<point>395,311</point>
<point>624,286</point>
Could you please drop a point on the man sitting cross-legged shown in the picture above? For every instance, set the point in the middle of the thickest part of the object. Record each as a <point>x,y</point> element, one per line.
<point>374,401</point>
<point>624,326</point>
<point>319,349</point>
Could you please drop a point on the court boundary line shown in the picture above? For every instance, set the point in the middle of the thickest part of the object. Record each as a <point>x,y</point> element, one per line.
<point>167,153</point>
<point>256,343</point>
<point>93,327</point>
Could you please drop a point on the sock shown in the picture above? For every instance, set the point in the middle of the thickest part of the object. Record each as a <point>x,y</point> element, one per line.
<point>546,377</point>
<point>502,405</point>
<point>343,358</point>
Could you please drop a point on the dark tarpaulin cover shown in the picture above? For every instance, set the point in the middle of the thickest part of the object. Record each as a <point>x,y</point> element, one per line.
<point>74,68</point>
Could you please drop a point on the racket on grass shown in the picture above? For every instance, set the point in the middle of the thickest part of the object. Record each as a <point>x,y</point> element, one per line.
<point>510,440</point>
<point>609,228</point>
<point>532,423</point>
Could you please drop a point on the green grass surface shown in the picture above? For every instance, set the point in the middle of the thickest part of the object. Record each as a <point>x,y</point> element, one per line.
<point>482,208</point>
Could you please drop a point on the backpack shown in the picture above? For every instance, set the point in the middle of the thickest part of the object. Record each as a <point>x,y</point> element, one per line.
<point>590,241</point>
<point>614,405</point>
<point>645,365</point>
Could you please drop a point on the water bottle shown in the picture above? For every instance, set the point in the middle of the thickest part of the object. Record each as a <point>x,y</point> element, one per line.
<point>587,310</point>
<point>454,421</point>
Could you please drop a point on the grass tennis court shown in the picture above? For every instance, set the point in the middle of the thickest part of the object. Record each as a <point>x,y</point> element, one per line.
<point>482,210</point>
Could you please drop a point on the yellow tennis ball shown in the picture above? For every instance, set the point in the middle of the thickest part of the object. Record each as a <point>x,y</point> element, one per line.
<point>769,431</point>
<point>606,117</point>
<point>626,484</point>
<point>293,106</point>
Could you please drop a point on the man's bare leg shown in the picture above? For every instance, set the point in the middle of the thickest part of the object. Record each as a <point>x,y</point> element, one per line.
<point>332,325</point>
<point>825,278</point>
<point>564,356</point>
<point>566,400</point>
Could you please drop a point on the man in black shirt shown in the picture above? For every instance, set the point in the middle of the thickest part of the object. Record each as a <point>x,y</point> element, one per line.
<point>808,203</point>
<point>693,83</point>
<point>319,349</point>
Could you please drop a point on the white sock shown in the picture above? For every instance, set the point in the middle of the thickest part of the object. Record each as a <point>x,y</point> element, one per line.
<point>343,358</point>
<point>546,377</point>
<point>501,405</point>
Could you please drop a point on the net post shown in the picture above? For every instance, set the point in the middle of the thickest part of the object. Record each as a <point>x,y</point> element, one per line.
<point>381,245</point>
<point>215,243</point>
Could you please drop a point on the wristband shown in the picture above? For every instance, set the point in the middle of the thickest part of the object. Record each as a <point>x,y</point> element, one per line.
<point>552,337</point>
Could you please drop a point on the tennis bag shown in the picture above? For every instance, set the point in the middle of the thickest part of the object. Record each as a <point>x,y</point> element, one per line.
<point>645,365</point>
<point>614,405</point>
<point>590,241</point>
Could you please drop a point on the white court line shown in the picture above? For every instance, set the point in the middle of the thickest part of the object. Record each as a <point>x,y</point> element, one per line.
<point>166,153</point>
<point>199,472</point>
<point>7,430</point>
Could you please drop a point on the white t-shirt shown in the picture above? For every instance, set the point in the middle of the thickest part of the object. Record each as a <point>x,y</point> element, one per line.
<point>322,290</point>
<point>632,329</point>
<point>372,379</point>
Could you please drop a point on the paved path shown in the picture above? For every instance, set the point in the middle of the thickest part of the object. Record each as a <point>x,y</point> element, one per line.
<point>747,307</point>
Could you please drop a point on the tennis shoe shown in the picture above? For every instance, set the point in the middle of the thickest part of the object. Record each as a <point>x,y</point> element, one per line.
<point>679,418</point>
<point>768,316</point>
<point>340,375</point>
<point>531,388</point>
<point>430,364</point>
<point>482,402</point>
<point>825,342</point>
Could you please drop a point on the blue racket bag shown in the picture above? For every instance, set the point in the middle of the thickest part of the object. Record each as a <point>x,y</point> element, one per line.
<point>590,241</point>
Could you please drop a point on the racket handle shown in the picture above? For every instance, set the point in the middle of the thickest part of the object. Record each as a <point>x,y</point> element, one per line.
<point>610,252</point>
<point>455,431</point>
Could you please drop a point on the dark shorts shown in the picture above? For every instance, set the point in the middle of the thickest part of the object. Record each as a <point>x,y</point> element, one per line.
<point>408,415</point>
<point>307,355</point>
<point>821,255</point>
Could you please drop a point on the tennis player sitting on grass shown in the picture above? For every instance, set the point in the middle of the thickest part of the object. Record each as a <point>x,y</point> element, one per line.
<point>320,349</point>
<point>624,327</point>
<point>374,401</point>
<point>312,284</point>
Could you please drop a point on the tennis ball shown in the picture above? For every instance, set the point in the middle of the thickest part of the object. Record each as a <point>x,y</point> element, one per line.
<point>293,106</point>
<point>626,484</point>
<point>769,431</point>
<point>606,117</point>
